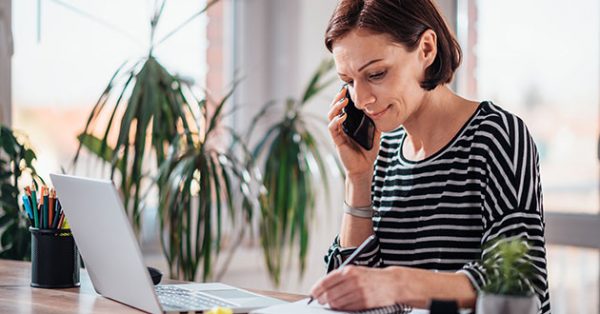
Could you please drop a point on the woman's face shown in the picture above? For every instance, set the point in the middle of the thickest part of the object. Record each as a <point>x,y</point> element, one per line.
<point>383,77</point>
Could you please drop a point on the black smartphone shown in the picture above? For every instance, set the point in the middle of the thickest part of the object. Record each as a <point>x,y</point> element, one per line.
<point>358,126</point>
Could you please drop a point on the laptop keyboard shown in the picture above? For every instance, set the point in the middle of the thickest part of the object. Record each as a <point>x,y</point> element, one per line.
<point>179,298</point>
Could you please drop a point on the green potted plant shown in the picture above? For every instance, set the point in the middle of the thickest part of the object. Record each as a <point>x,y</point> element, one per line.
<point>294,169</point>
<point>508,288</point>
<point>166,135</point>
<point>151,108</point>
<point>16,162</point>
<point>198,184</point>
<point>205,176</point>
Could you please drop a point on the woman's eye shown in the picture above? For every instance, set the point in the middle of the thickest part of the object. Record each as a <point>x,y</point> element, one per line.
<point>377,76</point>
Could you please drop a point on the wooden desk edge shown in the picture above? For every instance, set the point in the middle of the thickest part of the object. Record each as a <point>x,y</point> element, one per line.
<point>16,276</point>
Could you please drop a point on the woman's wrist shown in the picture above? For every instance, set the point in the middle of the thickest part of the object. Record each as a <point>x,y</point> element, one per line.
<point>360,177</point>
<point>401,276</point>
<point>358,190</point>
<point>417,287</point>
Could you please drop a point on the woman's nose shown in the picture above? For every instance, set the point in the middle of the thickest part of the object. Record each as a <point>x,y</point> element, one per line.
<point>362,97</point>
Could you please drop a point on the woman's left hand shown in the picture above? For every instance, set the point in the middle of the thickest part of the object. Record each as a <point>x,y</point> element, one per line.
<point>355,288</point>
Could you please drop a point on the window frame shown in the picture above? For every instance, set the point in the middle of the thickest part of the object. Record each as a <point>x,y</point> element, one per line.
<point>5,63</point>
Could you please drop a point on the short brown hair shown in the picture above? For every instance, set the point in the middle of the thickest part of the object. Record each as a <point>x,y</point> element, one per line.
<point>405,21</point>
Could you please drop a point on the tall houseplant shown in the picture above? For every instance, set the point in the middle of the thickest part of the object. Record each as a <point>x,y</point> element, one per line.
<point>160,118</point>
<point>151,108</point>
<point>198,184</point>
<point>292,161</point>
<point>16,159</point>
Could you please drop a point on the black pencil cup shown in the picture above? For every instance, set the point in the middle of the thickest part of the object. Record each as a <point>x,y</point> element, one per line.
<point>54,259</point>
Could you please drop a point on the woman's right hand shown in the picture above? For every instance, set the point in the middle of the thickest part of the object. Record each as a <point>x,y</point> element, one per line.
<point>357,161</point>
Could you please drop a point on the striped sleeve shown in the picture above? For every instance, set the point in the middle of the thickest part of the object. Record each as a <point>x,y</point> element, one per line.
<point>512,198</point>
<point>336,255</point>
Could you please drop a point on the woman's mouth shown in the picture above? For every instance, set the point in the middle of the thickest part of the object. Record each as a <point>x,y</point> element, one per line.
<point>378,115</point>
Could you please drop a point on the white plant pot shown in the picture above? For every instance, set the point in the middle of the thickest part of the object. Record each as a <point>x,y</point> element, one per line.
<point>500,304</point>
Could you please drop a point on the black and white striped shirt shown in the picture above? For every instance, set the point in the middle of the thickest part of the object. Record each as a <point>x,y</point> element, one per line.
<point>438,213</point>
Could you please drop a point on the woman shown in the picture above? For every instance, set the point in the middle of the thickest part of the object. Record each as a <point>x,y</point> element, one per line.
<point>450,175</point>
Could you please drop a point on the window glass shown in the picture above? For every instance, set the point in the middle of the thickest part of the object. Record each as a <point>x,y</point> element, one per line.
<point>573,277</point>
<point>58,78</point>
<point>539,60</point>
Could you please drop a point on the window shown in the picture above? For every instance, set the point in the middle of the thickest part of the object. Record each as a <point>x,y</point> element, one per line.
<point>540,60</point>
<point>573,279</point>
<point>6,49</point>
<point>58,77</point>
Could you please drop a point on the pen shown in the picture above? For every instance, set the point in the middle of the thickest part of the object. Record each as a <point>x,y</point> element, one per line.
<point>359,250</point>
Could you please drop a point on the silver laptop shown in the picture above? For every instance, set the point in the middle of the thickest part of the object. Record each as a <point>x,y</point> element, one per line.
<point>114,261</point>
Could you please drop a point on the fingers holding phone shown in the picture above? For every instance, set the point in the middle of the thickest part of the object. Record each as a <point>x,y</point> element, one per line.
<point>358,126</point>
<point>335,126</point>
<point>336,117</point>
<point>338,104</point>
<point>353,133</point>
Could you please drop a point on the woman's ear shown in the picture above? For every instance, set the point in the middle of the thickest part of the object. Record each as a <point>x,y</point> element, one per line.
<point>427,48</point>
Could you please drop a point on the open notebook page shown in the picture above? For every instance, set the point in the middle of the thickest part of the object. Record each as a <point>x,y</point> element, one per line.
<point>301,307</point>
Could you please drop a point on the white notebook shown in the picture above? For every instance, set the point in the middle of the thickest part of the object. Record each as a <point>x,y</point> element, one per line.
<point>302,307</point>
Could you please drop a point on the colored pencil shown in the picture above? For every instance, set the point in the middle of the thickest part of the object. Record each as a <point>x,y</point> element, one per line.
<point>41,208</point>
<point>58,210</point>
<point>51,208</point>
<point>46,207</point>
<point>34,207</point>
<point>61,220</point>
<point>27,208</point>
